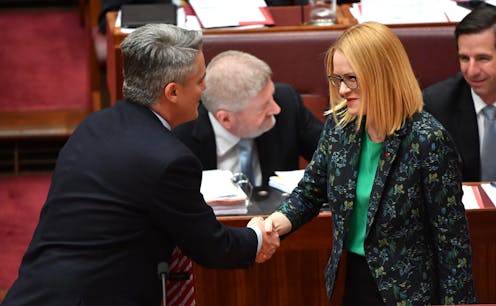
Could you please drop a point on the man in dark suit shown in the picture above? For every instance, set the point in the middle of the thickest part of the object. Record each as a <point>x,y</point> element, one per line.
<point>241,102</point>
<point>458,102</point>
<point>125,191</point>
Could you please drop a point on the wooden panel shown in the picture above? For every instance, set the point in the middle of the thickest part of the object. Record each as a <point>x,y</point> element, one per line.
<point>294,276</point>
<point>32,124</point>
<point>483,234</point>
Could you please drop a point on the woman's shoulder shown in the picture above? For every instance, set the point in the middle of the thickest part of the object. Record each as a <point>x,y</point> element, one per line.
<point>427,129</point>
<point>424,122</point>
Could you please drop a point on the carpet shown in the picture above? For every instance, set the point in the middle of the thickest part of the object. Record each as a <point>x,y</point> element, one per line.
<point>43,60</point>
<point>21,199</point>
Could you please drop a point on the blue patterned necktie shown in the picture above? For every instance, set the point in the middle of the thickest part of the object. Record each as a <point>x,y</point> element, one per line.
<point>488,159</point>
<point>244,146</point>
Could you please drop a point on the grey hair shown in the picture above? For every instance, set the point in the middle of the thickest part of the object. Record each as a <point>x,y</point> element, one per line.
<point>232,79</point>
<point>155,55</point>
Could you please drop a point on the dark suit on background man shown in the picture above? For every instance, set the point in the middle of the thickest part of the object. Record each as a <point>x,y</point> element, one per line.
<point>296,133</point>
<point>450,101</point>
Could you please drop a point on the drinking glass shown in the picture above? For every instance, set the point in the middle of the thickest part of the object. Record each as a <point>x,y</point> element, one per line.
<point>241,180</point>
<point>322,12</point>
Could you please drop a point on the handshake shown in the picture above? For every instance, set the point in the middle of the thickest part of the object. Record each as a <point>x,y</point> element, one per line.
<point>273,226</point>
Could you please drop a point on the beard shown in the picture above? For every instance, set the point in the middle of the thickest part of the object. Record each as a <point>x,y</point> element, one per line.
<point>264,127</point>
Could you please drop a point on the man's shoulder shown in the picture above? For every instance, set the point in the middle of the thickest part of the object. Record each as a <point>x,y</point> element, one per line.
<point>454,83</point>
<point>447,94</point>
<point>187,127</point>
<point>196,132</point>
<point>286,96</point>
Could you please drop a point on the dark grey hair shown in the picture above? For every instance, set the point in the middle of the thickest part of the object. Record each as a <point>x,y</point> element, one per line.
<point>155,55</point>
<point>233,78</point>
<point>477,21</point>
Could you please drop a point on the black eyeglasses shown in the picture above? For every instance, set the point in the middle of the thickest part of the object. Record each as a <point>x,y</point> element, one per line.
<point>350,81</point>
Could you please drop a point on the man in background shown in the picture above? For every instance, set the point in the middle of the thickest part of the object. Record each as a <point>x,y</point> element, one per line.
<point>465,103</point>
<point>242,105</point>
<point>125,192</point>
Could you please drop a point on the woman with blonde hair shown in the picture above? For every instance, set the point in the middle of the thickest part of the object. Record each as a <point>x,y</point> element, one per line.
<point>390,174</point>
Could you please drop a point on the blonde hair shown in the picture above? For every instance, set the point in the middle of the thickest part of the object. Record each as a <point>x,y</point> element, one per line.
<point>389,89</point>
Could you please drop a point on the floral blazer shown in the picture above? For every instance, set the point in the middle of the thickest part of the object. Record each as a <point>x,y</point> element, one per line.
<point>417,242</point>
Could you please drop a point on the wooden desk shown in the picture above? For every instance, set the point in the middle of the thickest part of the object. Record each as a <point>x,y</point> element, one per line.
<point>295,274</point>
<point>287,19</point>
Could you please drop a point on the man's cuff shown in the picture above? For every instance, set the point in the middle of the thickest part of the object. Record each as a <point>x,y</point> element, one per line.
<point>259,236</point>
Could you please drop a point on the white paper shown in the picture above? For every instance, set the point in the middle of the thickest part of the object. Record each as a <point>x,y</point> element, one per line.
<point>217,185</point>
<point>225,197</point>
<point>228,13</point>
<point>468,199</point>
<point>407,11</point>
<point>490,191</point>
<point>286,181</point>
<point>453,11</point>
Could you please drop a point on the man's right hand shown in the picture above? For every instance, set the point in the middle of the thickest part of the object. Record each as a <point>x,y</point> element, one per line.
<point>270,241</point>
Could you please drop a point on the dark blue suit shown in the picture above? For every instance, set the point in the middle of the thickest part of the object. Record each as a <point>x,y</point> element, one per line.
<point>296,133</point>
<point>124,192</point>
<point>450,101</point>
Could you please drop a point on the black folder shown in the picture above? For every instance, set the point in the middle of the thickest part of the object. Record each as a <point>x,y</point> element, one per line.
<point>136,15</point>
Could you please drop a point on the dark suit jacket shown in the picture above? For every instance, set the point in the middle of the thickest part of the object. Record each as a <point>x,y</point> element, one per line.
<point>296,133</point>
<point>450,101</point>
<point>417,242</point>
<point>124,192</point>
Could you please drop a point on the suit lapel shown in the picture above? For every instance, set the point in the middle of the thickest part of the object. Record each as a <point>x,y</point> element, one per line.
<point>204,137</point>
<point>468,131</point>
<point>344,159</point>
<point>389,153</point>
<point>266,150</point>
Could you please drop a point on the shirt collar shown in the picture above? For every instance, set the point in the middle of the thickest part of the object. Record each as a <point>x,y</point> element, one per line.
<point>162,120</point>
<point>478,103</point>
<point>224,139</point>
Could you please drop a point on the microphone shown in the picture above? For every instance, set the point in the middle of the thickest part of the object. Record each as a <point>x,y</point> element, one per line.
<point>163,273</point>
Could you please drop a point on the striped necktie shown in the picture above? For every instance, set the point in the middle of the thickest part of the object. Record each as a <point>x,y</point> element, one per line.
<point>180,289</point>
<point>488,159</point>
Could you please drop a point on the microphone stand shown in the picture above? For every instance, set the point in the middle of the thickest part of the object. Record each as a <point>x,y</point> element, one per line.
<point>163,273</point>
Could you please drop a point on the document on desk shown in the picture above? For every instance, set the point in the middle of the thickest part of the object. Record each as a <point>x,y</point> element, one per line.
<point>408,11</point>
<point>231,13</point>
<point>286,181</point>
<point>473,198</point>
<point>224,196</point>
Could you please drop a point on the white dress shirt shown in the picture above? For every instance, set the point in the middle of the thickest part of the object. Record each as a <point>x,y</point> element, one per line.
<point>228,154</point>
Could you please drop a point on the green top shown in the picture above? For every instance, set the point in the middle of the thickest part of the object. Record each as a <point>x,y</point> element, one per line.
<point>369,159</point>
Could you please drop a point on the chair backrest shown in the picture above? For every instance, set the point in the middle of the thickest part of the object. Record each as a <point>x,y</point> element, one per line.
<point>297,57</point>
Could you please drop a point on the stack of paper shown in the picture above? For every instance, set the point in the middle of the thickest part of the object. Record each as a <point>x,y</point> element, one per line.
<point>286,181</point>
<point>231,13</point>
<point>225,197</point>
